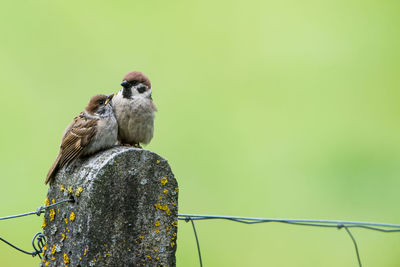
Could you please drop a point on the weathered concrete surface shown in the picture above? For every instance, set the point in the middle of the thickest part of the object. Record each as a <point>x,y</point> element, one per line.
<point>125,211</point>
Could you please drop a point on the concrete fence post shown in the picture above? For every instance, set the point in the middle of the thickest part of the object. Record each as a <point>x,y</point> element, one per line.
<point>124,214</point>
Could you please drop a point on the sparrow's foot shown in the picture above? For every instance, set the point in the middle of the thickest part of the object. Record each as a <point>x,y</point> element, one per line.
<point>137,145</point>
<point>128,145</point>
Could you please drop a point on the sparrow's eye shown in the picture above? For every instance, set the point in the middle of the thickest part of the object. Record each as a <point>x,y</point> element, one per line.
<point>101,102</point>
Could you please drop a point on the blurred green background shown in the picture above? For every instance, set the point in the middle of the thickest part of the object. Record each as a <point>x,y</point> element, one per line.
<point>285,109</point>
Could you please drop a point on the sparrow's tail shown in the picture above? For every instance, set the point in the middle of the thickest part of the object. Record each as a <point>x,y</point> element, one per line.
<point>53,170</point>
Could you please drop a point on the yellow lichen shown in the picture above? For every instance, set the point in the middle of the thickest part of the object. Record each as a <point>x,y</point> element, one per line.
<point>67,229</point>
<point>158,258</point>
<point>160,197</point>
<point>165,191</point>
<point>175,223</point>
<point>66,258</point>
<point>164,207</point>
<point>157,162</point>
<point>72,216</point>
<point>44,224</point>
<point>148,257</point>
<point>53,249</point>
<point>94,260</point>
<point>168,212</point>
<point>156,249</point>
<point>45,247</point>
<point>168,228</point>
<point>157,231</point>
<point>62,188</point>
<point>70,190</point>
<point>177,189</point>
<point>164,180</point>
<point>53,258</point>
<point>53,201</point>
<point>66,220</point>
<point>84,253</point>
<point>173,204</point>
<point>141,236</point>
<point>47,263</point>
<point>78,191</point>
<point>62,237</point>
<point>46,201</point>
<point>157,223</point>
<point>172,244</point>
<point>174,234</point>
<point>52,213</point>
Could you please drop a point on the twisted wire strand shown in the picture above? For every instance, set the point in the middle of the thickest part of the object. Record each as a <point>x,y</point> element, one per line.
<point>39,210</point>
<point>382,227</point>
<point>38,240</point>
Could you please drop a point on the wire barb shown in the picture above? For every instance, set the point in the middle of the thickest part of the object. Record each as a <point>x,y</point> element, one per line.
<point>38,211</point>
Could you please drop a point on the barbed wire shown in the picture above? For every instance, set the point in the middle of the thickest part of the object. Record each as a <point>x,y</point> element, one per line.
<point>382,227</point>
<point>38,240</point>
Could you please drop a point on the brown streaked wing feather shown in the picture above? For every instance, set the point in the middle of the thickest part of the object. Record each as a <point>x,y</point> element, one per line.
<point>53,170</point>
<point>76,138</point>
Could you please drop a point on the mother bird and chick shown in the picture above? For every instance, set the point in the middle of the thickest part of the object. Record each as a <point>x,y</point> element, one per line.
<point>126,118</point>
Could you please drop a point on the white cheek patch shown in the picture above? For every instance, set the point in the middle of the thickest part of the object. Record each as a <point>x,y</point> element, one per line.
<point>135,92</point>
<point>148,92</point>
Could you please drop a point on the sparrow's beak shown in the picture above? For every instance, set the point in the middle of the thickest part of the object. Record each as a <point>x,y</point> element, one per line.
<point>124,84</point>
<point>109,98</point>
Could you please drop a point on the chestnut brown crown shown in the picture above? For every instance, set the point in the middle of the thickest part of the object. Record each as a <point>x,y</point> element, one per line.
<point>96,102</point>
<point>137,76</point>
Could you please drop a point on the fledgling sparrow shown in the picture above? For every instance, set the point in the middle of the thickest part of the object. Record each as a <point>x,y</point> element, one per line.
<point>92,130</point>
<point>134,109</point>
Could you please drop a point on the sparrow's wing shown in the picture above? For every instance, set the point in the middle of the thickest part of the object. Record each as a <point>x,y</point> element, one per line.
<point>76,138</point>
<point>53,170</point>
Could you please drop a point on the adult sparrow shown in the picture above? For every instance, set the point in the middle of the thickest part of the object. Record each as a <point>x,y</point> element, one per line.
<point>134,110</point>
<point>92,130</point>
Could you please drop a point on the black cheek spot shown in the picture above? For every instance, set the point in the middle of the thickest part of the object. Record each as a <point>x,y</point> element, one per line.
<point>141,89</point>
